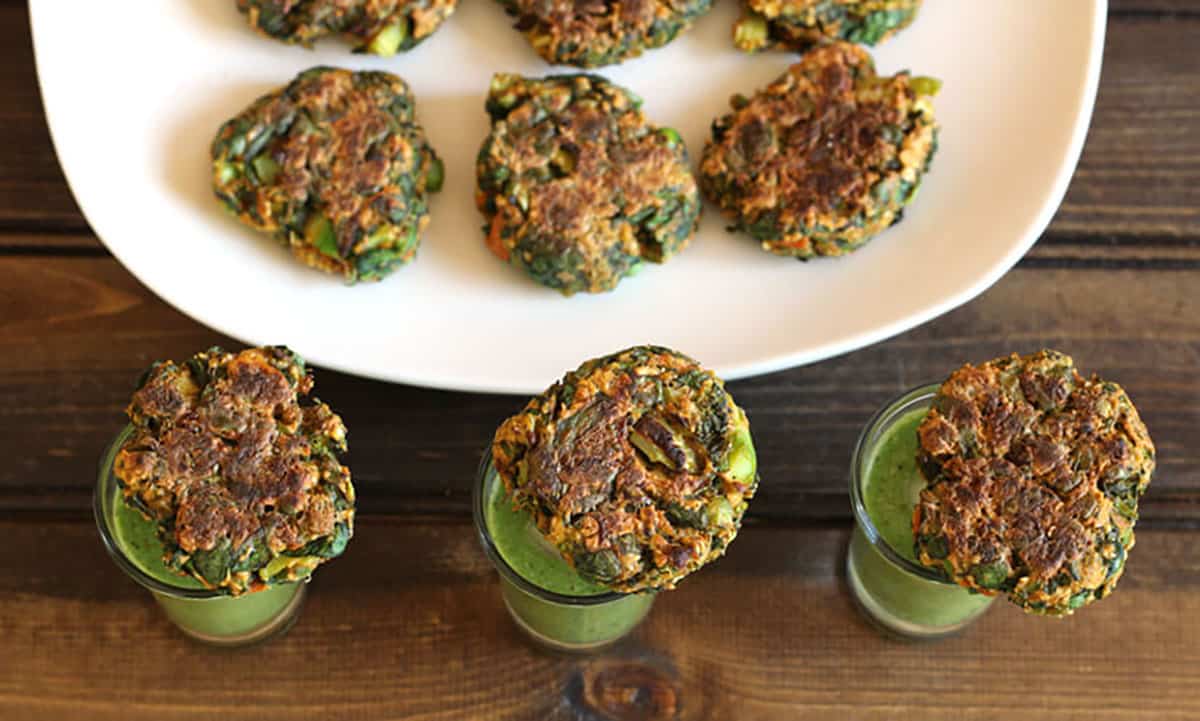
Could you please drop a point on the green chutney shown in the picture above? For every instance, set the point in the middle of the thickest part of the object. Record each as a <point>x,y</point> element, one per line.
<point>564,625</point>
<point>523,547</point>
<point>894,484</point>
<point>138,539</point>
<point>218,619</point>
<point>897,597</point>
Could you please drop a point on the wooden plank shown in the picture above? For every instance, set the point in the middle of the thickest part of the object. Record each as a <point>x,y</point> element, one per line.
<point>1140,171</point>
<point>1139,175</point>
<point>409,624</point>
<point>51,241</point>
<point>1166,9</point>
<point>1071,251</point>
<point>33,193</point>
<point>77,332</point>
<point>1060,246</point>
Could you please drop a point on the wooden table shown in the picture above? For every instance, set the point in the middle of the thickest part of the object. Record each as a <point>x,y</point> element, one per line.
<point>409,623</point>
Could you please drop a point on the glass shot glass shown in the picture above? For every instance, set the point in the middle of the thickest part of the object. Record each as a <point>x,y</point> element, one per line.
<point>895,592</point>
<point>555,620</point>
<point>204,614</point>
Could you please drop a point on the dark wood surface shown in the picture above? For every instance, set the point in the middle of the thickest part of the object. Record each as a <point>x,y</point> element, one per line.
<point>409,623</point>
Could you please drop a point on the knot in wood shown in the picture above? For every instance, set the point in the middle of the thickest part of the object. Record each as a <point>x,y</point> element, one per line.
<point>630,691</point>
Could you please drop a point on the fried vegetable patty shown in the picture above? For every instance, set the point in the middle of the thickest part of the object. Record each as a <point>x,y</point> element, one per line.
<point>382,27</point>
<point>1034,474</point>
<point>591,33</point>
<point>801,24</point>
<point>638,467</point>
<point>243,481</point>
<point>825,157</point>
<point>335,166</point>
<point>577,187</point>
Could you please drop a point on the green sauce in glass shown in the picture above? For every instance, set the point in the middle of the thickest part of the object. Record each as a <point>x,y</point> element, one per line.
<point>522,546</point>
<point>894,484</point>
<point>138,538</point>
<point>903,601</point>
<point>214,618</point>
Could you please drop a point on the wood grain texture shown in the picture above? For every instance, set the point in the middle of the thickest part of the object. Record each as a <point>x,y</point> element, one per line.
<point>409,624</point>
<point>1138,179</point>
<point>1140,172</point>
<point>77,333</point>
<point>1163,9</point>
<point>51,242</point>
<point>33,193</point>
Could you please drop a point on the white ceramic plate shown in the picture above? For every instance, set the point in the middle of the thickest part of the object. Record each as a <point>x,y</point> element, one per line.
<point>133,97</point>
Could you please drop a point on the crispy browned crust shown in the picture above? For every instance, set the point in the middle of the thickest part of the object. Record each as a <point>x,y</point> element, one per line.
<point>382,27</point>
<point>578,188</point>
<point>234,470</point>
<point>638,466</point>
<point>822,159</point>
<point>335,166</point>
<point>591,33</point>
<point>801,24</point>
<point>1034,477</point>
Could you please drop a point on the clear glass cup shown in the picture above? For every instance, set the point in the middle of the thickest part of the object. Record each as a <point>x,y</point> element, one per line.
<point>900,596</point>
<point>554,620</point>
<point>203,614</point>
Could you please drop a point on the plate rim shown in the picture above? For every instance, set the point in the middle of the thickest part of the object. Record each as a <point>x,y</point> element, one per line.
<point>1085,107</point>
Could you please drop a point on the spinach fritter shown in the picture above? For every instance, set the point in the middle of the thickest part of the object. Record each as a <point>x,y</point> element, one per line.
<point>591,33</point>
<point>825,157</point>
<point>243,481</point>
<point>336,167</point>
<point>577,187</point>
<point>1034,474</point>
<point>801,24</point>
<point>382,27</point>
<point>637,466</point>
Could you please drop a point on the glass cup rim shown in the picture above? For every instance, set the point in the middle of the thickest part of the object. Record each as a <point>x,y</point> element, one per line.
<point>888,412</point>
<point>103,485</point>
<point>478,501</point>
